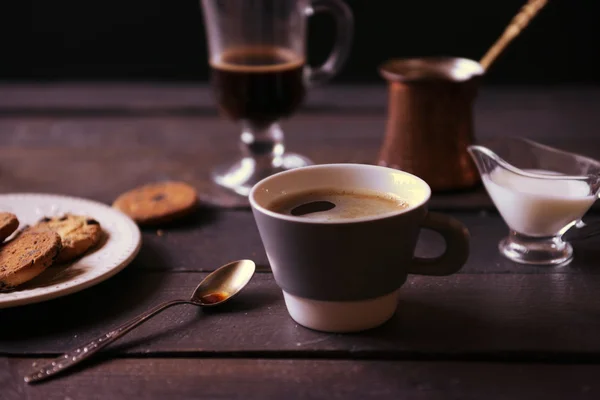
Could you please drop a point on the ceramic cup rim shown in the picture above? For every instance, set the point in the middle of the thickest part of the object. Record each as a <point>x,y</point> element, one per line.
<point>412,205</point>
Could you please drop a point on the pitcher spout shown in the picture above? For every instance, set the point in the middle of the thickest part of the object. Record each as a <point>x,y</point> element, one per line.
<point>485,159</point>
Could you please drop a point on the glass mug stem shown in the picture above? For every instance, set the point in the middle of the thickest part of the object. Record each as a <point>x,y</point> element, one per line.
<point>263,154</point>
<point>264,144</point>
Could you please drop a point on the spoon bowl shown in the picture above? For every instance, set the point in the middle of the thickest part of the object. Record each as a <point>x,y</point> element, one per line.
<point>223,284</point>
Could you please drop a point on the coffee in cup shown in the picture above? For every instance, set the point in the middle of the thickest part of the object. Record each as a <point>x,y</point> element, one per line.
<point>329,204</point>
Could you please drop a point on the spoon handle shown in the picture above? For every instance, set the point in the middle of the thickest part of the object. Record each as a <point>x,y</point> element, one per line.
<point>81,353</point>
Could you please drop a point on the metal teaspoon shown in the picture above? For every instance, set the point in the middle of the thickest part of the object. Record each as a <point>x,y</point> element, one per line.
<point>217,288</point>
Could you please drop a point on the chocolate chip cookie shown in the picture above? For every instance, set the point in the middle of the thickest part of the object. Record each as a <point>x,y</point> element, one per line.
<point>27,256</point>
<point>158,202</point>
<point>8,224</point>
<point>77,233</point>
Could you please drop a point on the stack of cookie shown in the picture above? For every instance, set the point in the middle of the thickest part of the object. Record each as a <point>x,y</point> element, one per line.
<point>62,239</point>
<point>51,241</point>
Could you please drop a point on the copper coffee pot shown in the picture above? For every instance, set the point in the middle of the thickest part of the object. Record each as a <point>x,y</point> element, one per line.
<point>430,111</point>
<point>430,119</point>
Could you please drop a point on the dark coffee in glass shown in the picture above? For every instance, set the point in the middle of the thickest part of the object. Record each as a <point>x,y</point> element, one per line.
<point>259,85</point>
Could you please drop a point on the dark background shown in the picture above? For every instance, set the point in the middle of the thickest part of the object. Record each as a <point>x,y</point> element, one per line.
<point>146,40</point>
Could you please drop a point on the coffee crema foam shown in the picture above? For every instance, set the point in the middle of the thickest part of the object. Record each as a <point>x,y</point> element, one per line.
<point>257,60</point>
<point>337,204</point>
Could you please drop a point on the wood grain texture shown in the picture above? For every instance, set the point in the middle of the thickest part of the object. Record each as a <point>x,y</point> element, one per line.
<point>102,173</point>
<point>157,96</point>
<point>36,153</point>
<point>568,128</point>
<point>340,124</point>
<point>97,142</point>
<point>516,100</point>
<point>65,113</point>
<point>212,238</point>
<point>11,387</point>
<point>311,379</point>
<point>554,317</point>
<point>204,242</point>
<point>29,167</point>
<point>105,173</point>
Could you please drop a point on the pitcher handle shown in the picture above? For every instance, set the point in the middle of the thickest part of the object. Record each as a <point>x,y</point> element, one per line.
<point>344,22</point>
<point>456,236</point>
<point>581,231</point>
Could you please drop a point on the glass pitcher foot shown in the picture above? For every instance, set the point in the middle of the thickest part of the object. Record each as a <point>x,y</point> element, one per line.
<point>536,251</point>
<point>244,174</point>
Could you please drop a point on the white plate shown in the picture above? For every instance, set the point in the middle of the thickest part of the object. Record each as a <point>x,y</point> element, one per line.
<point>121,244</point>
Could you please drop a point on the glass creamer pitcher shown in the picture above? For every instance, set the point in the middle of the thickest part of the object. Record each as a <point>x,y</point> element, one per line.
<point>540,192</point>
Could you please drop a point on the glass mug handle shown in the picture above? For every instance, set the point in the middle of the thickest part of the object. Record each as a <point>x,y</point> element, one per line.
<point>455,255</point>
<point>344,22</point>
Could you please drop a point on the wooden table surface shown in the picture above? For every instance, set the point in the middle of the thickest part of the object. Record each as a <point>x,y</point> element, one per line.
<point>495,330</point>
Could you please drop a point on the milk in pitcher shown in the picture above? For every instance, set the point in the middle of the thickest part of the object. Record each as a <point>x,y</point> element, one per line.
<point>537,207</point>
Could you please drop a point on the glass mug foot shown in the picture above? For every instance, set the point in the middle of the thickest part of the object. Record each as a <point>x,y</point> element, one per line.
<point>241,176</point>
<point>536,251</point>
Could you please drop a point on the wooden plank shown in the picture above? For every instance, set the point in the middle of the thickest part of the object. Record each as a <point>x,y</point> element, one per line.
<point>151,148</point>
<point>487,229</point>
<point>551,317</point>
<point>160,97</point>
<point>157,96</point>
<point>192,133</point>
<point>543,114</point>
<point>203,243</point>
<point>315,379</point>
<point>11,385</point>
<point>568,129</point>
<point>104,173</point>
<point>212,237</point>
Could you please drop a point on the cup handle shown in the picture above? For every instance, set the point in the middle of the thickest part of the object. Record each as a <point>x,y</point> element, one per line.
<point>455,255</point>
<point>344,22</point>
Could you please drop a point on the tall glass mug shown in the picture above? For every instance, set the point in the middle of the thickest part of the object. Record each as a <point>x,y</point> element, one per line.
<point>259,75</point>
